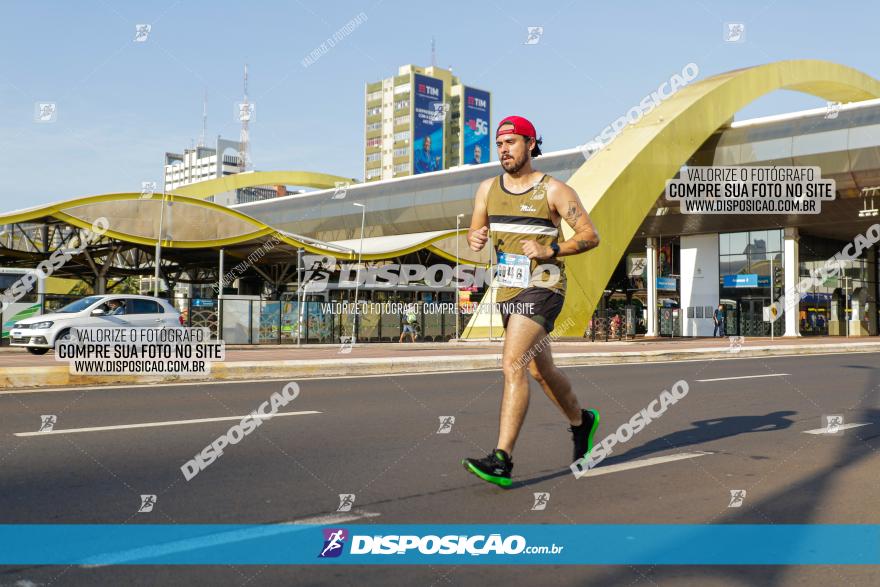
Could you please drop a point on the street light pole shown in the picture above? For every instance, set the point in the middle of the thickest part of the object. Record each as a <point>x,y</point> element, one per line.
<point>772,294</point>
<point>357,285</point>
<point>158,255</point>
<point>457,293</point>
<point>299,296</point>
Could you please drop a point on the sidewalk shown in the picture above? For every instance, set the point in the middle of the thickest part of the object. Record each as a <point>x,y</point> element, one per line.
<point>19,369</point>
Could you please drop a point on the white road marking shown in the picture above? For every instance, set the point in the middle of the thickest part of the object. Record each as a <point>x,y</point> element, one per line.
<point>188,544</point>
<point>844,427</point>
<point>335,518</point>
<point>745,377</point>
<point>644,463</point>
<point>155,424</point>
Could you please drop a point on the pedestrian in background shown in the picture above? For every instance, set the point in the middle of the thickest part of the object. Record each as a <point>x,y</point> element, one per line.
<point>719,321</point>
<point>410,324</point>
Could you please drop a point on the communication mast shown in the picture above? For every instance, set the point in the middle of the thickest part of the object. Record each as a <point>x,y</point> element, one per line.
<point>204,120</point>
<point>244,114</point>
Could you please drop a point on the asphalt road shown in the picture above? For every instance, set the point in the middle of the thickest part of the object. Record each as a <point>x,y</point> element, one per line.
<point>376,438</point>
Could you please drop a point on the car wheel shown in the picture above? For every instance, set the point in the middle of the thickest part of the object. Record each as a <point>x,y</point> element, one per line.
<point>37,351</point>
<point>63,337</point>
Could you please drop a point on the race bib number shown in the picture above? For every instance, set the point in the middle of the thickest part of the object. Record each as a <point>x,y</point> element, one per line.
<point>513,270</point>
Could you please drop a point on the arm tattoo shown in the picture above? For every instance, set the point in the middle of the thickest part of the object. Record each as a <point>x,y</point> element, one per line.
<point>582,246</point>
<point>573,213</point>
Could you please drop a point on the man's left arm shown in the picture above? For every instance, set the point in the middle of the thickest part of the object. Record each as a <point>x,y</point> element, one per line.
<point>565,201</point>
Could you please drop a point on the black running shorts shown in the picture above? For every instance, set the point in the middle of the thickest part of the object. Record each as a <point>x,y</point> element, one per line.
<point>541,304</point>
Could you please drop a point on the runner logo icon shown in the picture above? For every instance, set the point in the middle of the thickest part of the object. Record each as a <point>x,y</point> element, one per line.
<point>334,541</point>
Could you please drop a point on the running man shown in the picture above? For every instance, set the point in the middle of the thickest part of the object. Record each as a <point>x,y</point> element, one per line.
<point>522,208</point>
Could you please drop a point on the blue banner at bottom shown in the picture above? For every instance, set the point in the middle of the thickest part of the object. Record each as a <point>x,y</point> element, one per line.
<point>294,544</point>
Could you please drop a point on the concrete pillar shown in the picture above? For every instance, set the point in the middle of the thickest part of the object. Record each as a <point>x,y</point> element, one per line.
<point>651,284</point>
<point>698,267</point>
<point>872,292</point>
<point>790,261</point>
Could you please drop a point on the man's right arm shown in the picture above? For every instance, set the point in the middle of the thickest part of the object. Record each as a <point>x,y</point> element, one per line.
<point>478,233</point>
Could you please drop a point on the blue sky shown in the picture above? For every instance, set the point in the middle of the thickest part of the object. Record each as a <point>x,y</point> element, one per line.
<point>122,104</point>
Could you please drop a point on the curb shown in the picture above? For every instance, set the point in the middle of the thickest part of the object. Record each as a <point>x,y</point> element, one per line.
<point>12,378</point>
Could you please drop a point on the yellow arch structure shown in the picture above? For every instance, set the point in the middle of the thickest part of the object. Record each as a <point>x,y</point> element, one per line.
<point>620,183</point>
<point>227,183</point>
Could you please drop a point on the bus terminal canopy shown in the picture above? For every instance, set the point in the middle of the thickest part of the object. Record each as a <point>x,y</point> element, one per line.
<point>193,231</point>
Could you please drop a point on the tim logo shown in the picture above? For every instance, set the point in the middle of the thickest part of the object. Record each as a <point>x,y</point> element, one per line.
<point>428,90</point>
<point>334,541</point>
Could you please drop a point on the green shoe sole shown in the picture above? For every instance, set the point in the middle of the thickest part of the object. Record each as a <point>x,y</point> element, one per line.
<point>592,432</point>
<point>500,481</point>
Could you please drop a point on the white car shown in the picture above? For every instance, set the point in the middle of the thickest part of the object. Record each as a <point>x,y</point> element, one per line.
<point>38,334</point>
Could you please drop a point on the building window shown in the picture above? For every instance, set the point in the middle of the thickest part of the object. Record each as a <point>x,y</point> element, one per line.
<point>374,126</point>
<point>373,173</point>
<point>372,157</point>
<point>401,136</point>
<point>401,120</point>
<point>374,111</point>
<point>376,142</point>
<point>377,95</point>
<point>401,168</point>
<point>749,252</point>
<point>401,104</point>
<point>402,152</point>
<point>401,89</point>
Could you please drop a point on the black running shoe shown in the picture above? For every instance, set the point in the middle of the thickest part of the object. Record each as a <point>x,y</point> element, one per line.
<point>494,468</point>
<point>582,436</point>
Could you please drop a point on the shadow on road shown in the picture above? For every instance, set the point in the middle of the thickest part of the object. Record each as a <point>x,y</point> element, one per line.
<point>703,431</point>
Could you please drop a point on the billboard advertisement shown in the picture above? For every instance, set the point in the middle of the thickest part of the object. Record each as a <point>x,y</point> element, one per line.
<point>429,116</point>
<point>475,127</point>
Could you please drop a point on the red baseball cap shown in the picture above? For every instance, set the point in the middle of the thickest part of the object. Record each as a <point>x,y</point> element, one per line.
<point>521,126</point>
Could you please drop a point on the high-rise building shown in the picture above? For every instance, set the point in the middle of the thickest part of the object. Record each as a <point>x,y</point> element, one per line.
<point>423,119</point>
<point>202,163</point>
